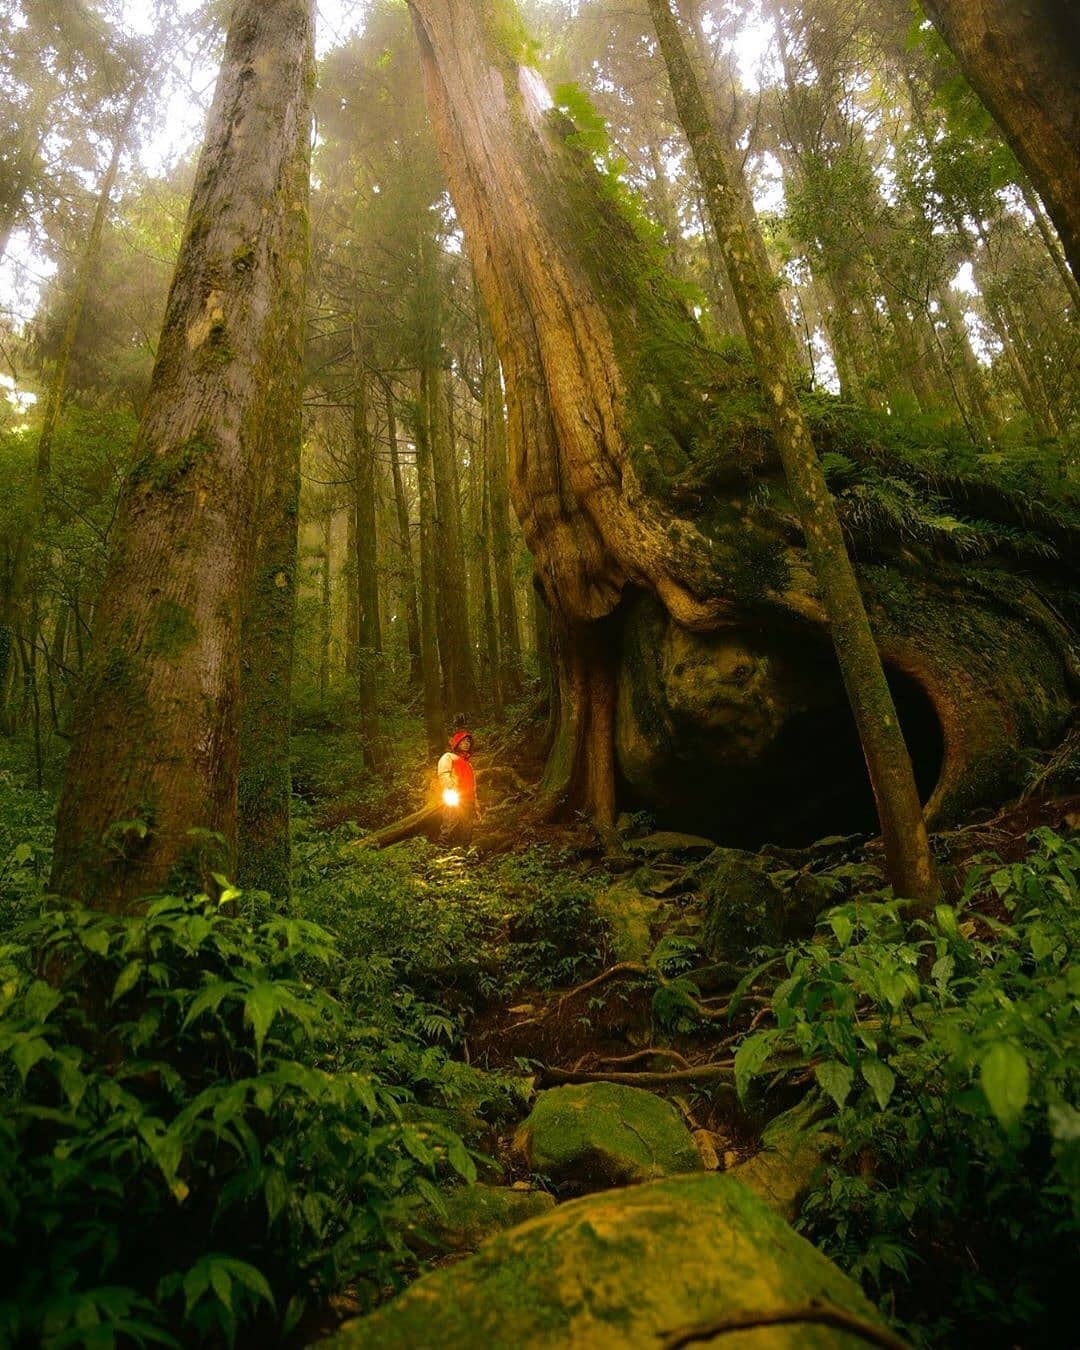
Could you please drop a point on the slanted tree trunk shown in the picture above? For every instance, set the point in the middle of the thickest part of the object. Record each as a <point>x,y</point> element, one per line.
<point>1023,61</point>
<point>157,740</point>
<point>903,829</point>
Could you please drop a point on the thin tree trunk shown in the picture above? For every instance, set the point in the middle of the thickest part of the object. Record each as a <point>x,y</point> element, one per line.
<point>215,454</point>
<point>325,610</point>
<point>892,778</point>
<point>365,561</point>
<point>429,628</point>
<point>455,647</point>
<point>405,555</point>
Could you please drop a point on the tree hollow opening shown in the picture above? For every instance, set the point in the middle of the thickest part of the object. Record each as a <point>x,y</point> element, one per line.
<point>747,737</point>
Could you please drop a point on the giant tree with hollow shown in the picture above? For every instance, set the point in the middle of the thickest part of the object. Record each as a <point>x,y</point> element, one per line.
<point>695,672</point>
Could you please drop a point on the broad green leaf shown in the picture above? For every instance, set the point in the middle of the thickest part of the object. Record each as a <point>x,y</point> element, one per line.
<point>23,854</point>
<point>96,940</point>
<point>221,1283</point>
<point>1003,1074</point>
<point>261,1005</point>
<point>881,1078</point>
<point>42,999</point>
<point>126,980</point>
<point>749,1058</point>
<point>28,1051</point>
<point>942,971</point>
<point>276,1193</point>
<point>1042,942</point>
<point>842,927</point>
<point>251,1278</point>
<point>835,1080</point>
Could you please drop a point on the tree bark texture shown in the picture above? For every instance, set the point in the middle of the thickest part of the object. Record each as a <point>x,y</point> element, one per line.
<point>149,799</point>
<point>497,474</point>
<point>1023,61</point>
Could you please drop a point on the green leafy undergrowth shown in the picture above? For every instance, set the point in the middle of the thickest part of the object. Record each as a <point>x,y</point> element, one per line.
<point>950,1049</point>
<point>26,830</point>
<point>194,1142</point>
<point>450,927</point>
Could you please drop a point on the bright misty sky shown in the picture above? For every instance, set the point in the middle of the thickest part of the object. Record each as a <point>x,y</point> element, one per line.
<point>179,126</point>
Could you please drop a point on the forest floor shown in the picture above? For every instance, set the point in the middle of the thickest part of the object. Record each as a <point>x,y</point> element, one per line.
<point>646,960</point>
<point>798,1026</point>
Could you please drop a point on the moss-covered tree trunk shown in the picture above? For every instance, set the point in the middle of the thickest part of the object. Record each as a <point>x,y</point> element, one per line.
<point>157,740</point>
<point>1023,60</point>
<point>767,331</point>
<point>404,529</point>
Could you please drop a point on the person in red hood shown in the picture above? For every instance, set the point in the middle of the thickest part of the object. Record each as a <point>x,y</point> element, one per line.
<point>457,787</point>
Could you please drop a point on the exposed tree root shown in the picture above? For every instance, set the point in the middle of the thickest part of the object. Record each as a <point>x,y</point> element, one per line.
<point>650,1052</point>
<point>722,1070</point>
<point>824,1314</point>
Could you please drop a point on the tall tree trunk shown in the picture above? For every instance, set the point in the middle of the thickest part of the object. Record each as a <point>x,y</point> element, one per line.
<point>216,451</point>
<point>365,561</point>
<point>497,474</point>
<point>1023,60</point>
<point>405,554</point>
<point>892,778</point>
<point>434,715</point>
<point>455,646</point>
<point>325,608</point>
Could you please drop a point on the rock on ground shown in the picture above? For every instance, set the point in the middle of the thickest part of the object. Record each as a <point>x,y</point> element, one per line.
<point>623,1270</point>
<point>604,1134</point>
<point>475,1213</point>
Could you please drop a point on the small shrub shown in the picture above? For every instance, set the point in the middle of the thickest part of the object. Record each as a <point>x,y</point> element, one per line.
<point>193,1139</point>
<point>950,1050</point>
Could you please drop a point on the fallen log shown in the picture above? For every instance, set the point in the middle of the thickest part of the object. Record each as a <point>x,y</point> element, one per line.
<point>422,821</point>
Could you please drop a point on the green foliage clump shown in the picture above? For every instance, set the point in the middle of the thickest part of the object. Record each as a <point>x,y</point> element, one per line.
<point>448,928</point>
<point>193,1138</point>
<point>950,1049</point>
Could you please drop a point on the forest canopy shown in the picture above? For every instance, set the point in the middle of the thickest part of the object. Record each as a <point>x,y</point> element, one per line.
<point>538,672</point>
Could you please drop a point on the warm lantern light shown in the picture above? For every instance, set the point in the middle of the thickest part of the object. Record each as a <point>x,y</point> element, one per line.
<point>451,797</point>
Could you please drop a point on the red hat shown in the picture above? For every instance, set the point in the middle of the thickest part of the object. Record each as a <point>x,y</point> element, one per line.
<point>458,737</point>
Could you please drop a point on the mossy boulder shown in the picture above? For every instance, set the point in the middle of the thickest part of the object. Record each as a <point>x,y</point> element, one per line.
<point>790,1160</point>
<point>673,842</point>
<point>623,1270</point>
<point>750,902</point>
<point>475,1213</point>
<point>629,916</point>
<point>592,1135</point>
